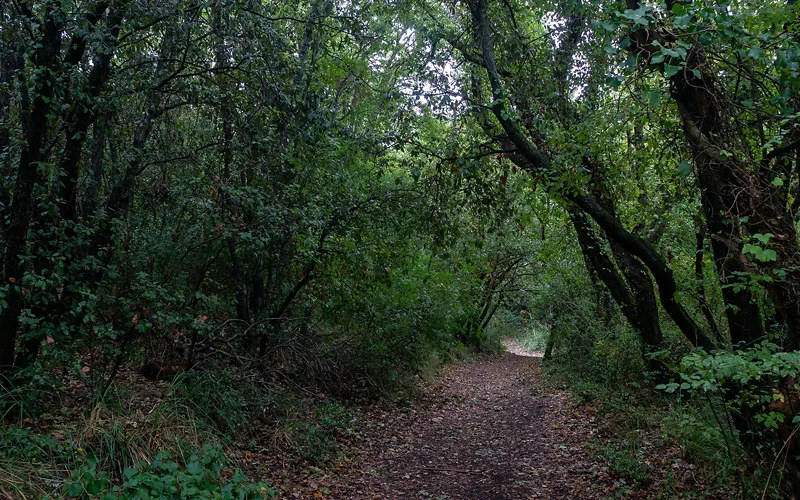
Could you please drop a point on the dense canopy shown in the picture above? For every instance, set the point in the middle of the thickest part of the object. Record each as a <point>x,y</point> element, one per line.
<point>339,195</point>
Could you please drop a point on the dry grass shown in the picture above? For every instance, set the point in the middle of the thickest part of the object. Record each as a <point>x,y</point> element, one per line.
<point>121,432</point>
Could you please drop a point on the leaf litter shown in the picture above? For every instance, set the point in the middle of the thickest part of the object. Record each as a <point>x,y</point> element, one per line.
<point>487,428</point>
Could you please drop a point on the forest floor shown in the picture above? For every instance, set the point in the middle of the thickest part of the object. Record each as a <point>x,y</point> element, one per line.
<point>492,428</point>
<point>484,429</point>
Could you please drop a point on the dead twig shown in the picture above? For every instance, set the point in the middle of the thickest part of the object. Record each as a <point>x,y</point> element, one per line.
<point>457,471</point>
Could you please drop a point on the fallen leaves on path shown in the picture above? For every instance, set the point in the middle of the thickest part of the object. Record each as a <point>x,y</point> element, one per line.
<point>485,429</point>
<point>481,431</point>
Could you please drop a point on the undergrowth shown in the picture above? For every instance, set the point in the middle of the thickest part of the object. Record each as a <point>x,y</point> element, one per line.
<point>177,439</point>
<point>644,435</point>
<point>204,476</point>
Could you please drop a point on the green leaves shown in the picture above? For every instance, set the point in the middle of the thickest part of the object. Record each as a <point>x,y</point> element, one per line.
<point>754,52</point>
<point>682,21</point>
<point>755,369</point>
<point>194,467</point>
<point>676,53</point>
<point>670,70</point>
<point>641,16</point>
<point>763,238</point>
<point>761,254</point>
<point>652,98</point>
<point>706,372</point>
<point>770,419</point>
<point>658,57</point>
<point>163,478</point>
<point>614,81</point>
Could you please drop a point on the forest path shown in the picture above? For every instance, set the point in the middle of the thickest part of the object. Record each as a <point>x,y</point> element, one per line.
<point>483,430</point>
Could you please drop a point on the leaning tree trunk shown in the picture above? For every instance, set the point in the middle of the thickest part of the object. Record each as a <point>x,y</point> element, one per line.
<point>635,273</point>
<point>636,277</point>
<point>647,328</point>
<point>541,167</point>
<point>739,201</point>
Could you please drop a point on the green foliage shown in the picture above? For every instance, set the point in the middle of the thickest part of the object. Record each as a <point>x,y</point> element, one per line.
<point>315,439</point>
<point>602,353</point>
<point>317,193</point>
<point>752,374</point>
<point>533,336</point>
<point>709,372</point>
<point>215,401</point>
<point>630,467</point>
<point>757,384</point>
<point>38,458</point>
<point>201,478</point>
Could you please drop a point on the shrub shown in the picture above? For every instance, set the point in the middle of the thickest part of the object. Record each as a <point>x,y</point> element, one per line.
<point>203,477</point>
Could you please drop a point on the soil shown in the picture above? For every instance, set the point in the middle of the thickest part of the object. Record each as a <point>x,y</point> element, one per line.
<point>483,430</point>
<point>485,437</point>
<point>491,429</point>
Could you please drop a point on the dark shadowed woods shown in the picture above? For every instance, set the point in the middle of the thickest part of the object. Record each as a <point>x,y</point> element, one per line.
<point>280,249</point>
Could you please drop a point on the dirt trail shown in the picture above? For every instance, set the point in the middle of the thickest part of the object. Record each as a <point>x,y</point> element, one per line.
<point>482,431</point>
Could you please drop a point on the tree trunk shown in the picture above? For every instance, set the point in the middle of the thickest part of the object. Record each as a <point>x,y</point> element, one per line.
<point>635,273</point>
<point>592,249</point>
<point>21,211</point>
<point>737,200</point>
<point>538,164</point>
<point>701,289</point>
<point>99,136</point>
<point>603,307</point>
<point>82,118</point>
